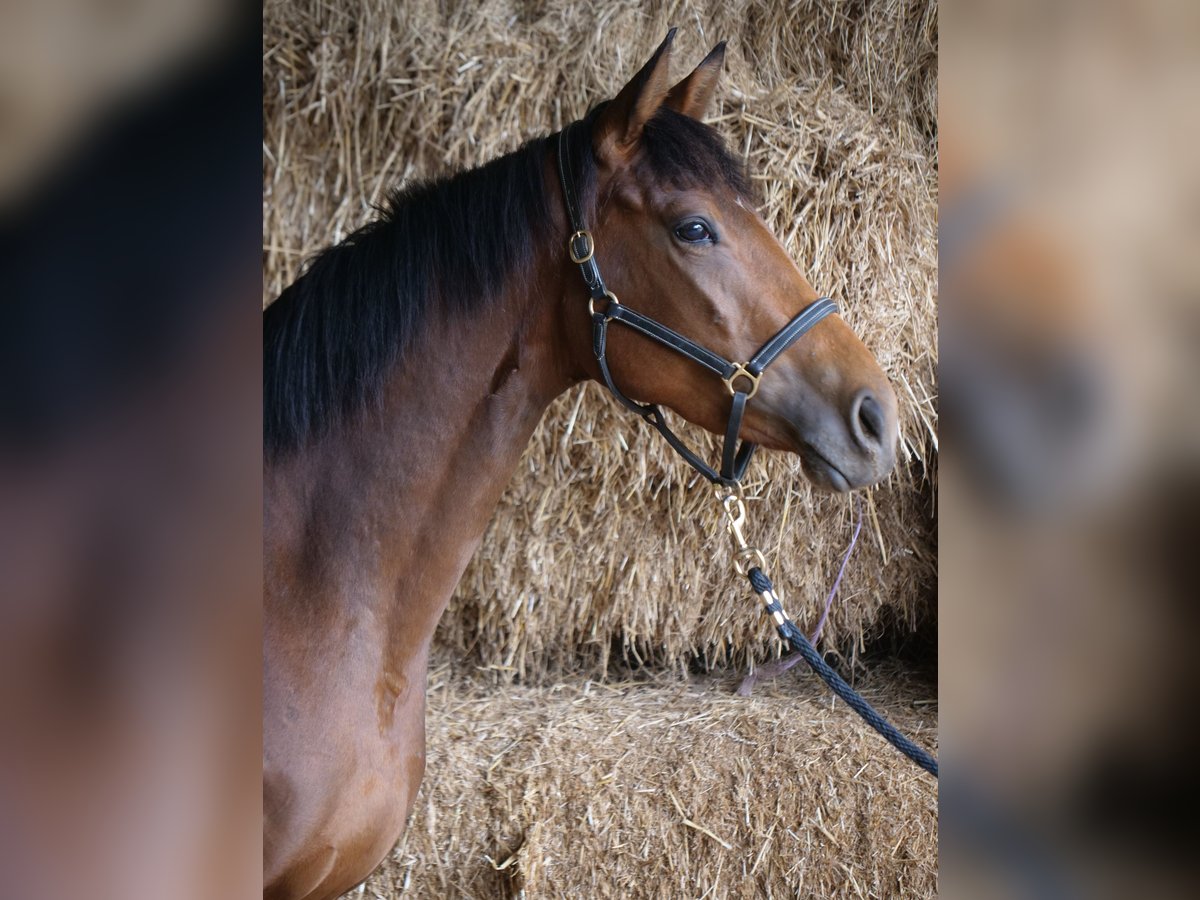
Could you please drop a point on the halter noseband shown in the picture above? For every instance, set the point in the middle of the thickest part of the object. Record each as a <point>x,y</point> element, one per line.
<point>741,379</point>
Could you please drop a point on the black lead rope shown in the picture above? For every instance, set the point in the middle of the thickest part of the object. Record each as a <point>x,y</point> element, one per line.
<point>795,637</point>
<point>742,380</point>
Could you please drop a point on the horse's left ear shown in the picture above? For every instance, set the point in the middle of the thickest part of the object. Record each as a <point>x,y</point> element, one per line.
<point>620,125</point>
<point>693,95</point>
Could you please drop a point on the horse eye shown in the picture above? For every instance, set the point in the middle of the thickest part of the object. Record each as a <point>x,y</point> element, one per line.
<point>693,232</point>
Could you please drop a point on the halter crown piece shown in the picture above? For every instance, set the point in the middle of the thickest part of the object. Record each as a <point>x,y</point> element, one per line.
<point>741,379</point>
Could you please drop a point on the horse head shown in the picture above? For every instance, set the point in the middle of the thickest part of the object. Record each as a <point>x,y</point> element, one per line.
<point>682,244</point>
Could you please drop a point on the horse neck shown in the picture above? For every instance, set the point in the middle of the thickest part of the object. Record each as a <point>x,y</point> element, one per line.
<point>386,512</point>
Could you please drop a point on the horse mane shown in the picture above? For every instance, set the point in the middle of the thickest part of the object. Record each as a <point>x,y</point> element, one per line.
<point>448,245</point>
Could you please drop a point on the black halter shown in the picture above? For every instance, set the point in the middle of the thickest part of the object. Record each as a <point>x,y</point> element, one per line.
<point>734,459</point>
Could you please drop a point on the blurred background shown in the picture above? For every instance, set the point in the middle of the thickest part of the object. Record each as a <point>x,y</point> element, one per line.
<point>1069,475</point>
<point>130,441</point>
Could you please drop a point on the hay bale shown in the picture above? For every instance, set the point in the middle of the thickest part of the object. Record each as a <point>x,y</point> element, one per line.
<point>666,789</point>
<point>605,544</point>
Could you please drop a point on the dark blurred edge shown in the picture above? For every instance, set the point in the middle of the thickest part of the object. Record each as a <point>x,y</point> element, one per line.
<point>130,486</point>
<point>110,263</point>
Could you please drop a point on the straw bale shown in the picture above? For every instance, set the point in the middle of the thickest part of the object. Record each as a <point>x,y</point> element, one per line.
<point>666,789</point>
<point>604,548</point>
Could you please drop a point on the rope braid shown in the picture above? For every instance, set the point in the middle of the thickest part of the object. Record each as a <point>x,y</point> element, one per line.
<point>795,637</point>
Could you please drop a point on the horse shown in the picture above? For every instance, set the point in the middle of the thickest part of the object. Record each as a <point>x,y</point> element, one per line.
<point>404,373</point>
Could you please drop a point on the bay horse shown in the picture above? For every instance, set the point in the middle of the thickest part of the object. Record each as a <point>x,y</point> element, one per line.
<point>404,373</point>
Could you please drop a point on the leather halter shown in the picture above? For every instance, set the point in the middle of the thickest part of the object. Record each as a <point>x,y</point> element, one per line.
<point>734,459</point>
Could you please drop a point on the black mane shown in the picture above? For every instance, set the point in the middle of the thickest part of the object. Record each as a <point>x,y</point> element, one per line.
<point>450,244</point>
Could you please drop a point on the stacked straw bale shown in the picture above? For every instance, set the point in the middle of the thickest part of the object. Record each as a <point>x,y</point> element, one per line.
<point>666,790</point>
<point>605,549</point>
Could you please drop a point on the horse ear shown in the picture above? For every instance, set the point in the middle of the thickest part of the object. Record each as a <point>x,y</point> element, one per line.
<point>620,125</point>
<point>693,95</point>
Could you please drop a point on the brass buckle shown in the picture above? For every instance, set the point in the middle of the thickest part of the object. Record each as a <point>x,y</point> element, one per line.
<point>591,247</point>
<point>612,298</point>
<point>740,371</point>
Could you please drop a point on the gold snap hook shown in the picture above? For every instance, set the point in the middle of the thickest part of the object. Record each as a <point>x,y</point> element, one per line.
<point>745,555</point>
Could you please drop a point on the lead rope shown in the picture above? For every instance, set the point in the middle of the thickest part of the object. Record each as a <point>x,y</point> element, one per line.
<point>749,561</point>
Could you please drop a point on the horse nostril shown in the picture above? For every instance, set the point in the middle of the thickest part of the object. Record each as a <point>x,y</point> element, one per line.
<point>867,420</point>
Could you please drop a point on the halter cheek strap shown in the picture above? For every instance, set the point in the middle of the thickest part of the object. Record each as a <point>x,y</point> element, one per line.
<point>742,379</point>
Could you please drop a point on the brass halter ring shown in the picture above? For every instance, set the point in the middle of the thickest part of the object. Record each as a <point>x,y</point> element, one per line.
<point>612,298</point>
<point>740,371</point>
<point>591,247</point>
